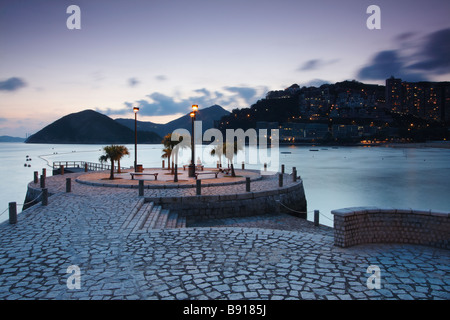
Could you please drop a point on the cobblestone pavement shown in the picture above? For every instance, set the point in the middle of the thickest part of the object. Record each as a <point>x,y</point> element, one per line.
<point>272,257</point>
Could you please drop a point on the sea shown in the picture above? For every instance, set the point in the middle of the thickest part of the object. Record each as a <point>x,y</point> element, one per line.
<point>333,177</point>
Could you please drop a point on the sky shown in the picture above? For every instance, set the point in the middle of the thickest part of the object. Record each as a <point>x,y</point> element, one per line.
<point>163,56</point>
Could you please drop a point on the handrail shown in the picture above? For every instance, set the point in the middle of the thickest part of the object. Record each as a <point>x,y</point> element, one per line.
<point>91,166</point>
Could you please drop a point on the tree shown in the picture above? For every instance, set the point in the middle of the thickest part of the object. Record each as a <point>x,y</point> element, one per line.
<point>122,151</point>
<point>221,149</point>
<point>170,142</point>
<point>113,153</point>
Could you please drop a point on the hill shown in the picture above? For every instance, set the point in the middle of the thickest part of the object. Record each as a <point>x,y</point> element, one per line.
<point>11,139</point>
<point>207,116</point>
<point>89,127</point>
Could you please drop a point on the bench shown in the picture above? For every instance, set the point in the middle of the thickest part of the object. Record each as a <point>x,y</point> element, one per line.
<point>198,166</point>
<point>199,173</point>
<point>143,174</point>
<point>226,171</point>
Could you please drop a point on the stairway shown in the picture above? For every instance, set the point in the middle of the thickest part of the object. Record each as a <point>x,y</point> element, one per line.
<point>146,216</point>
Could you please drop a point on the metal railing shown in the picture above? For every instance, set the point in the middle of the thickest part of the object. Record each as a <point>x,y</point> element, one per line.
<point>89,166</point>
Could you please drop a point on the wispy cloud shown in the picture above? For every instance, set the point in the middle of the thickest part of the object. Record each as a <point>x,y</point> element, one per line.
<point>161,77</point>
<point>431,55</point>
<point>385,64</point>
<point>315,64</point>
<point>434,56</point>
<point>133,82</point>
<point>159,104</point>
<point>12,84</point>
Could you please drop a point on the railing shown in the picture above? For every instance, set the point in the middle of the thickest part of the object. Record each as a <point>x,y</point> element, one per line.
<point>89,166</point>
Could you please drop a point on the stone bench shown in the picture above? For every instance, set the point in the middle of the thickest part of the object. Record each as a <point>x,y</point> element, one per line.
<point>143,174</point>
<point>199,173</point>
<point>198,166</point>
<point>361,225</point>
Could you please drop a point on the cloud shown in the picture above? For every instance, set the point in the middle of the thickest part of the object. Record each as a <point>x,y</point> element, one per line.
<point>315,83</point>
<point>430,57</point>
<point>434,56</point>
<point>161,77</point>
<point>159,104</point>
<point>315,64</point>
<point>246,93</point>
<point>405,36</point>
<point>133,82</point>
<point>310,65</point>
<point>388,63</point>
<point>12,84</point>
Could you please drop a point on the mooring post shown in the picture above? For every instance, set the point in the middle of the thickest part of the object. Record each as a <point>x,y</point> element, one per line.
<point>141,188</point>
<point>199,186</point>
<point>280,180</point>
<point>316,217</point>
<point>44,196</point>
<point>247,184</point>
<point>85,167</point>
<point>62,169</point>
<point>42,181</point>
<point>265,166</point>
<point>44,172</point>
<point>243,165</point>
<point>12,213</point>
<point>282,168</point>
<point>163,164</point>
<point>175,178</point>
<point>68,185</point>
<point>36,177</point>
<point>294,174</point>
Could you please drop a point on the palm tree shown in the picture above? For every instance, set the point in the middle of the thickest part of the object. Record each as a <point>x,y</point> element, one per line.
<point>167,154</point>
<point>170,144</point>
<point>221,149</point>
<point>113,153</point>
<point>122,151</point>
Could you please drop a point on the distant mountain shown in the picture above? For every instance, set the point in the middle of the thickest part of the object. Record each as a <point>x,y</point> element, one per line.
<point>207,116</point>
<point>89,127</point>
<point>11,139</point>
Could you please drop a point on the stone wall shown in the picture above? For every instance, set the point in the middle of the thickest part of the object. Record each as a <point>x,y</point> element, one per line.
<point>202,207</point>
<point>353,226</point>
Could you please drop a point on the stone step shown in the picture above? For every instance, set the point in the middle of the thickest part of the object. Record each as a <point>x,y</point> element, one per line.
<point>132,214</point>
<point>162,219</point>
<point>172,220</point>
<point>145,211</point>
<point>181,222</point>
<point>151,219</point>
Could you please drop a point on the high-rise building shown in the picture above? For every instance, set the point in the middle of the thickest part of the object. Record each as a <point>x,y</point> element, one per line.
<point>426,100</point>
<point>394,94</point>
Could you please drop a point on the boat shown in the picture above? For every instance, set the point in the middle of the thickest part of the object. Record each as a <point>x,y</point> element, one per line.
<point>313,149</point>
<point>286,152</point>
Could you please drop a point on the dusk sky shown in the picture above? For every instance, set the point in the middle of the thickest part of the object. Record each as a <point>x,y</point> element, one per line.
<point>164,56</point>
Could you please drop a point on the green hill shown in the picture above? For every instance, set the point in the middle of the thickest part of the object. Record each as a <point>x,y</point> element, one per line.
<point>89,127</point>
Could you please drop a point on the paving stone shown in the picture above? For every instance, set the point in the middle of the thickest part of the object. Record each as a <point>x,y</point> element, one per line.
<point>272,256</point>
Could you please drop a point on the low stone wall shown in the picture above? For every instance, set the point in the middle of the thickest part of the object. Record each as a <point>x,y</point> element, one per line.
<point>353,226</point>
<point>202,207</point>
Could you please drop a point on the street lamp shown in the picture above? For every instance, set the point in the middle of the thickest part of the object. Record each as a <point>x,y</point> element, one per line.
<point>192,165</point>
<point>135,109</point>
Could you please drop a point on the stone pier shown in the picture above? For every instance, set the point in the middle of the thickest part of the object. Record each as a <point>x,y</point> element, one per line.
<point>128,246</point>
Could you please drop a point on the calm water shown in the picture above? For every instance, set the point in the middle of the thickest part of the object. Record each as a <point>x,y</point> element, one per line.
<point>333,178</point>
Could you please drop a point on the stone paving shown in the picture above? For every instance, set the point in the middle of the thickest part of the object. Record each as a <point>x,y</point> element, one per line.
<point>270,257</point>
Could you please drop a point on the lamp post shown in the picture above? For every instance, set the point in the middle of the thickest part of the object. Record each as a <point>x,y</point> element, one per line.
<point>135,109</point>
<point>192,165</point>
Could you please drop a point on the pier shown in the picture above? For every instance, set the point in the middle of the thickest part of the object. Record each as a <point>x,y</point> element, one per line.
<point>147,239</point>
